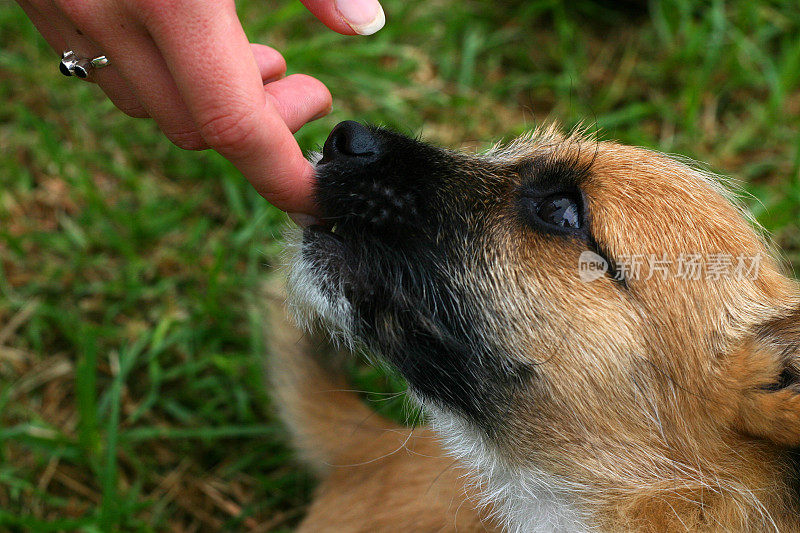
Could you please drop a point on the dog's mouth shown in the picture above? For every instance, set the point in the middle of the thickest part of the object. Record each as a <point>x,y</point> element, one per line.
<point>326,248</point>
<point>324,232</point>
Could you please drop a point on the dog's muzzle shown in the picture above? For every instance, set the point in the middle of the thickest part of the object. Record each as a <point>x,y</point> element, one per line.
<point>358,183</point>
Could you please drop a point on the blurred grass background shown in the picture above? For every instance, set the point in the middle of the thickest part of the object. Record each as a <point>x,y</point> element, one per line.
<point>131,395</point>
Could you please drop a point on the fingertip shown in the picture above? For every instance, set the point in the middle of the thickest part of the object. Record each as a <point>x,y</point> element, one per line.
<point>314,88</point>
<point>299,99</point>
<point>271,63</point>
<point>293,191</point>
<point>307,200</point>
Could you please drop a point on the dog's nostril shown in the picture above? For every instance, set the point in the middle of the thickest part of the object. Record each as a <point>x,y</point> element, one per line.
<point>349,139</point>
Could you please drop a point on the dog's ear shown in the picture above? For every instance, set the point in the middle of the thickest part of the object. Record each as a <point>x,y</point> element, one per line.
<point>770,407</point>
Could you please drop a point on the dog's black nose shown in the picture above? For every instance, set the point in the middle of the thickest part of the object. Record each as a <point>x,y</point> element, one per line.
<point>363,181</point>
<point>350,140</point>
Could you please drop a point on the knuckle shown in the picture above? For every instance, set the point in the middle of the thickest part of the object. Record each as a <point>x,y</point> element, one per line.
<point>130,106</point>
<point>78,11</point>
<point>164,12</point>
<point>228,132</point>
<point>152,8</point>
<point>153,13</point>
<point>187,140</point>
<point>135,111</point>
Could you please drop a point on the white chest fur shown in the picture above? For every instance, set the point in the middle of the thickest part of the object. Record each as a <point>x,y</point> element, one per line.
<point>524,501</point>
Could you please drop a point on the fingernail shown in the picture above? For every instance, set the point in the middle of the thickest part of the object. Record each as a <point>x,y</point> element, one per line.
<point>364,16</point>
<point>303,220</point>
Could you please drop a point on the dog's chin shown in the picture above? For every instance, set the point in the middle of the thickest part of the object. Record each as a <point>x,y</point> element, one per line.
<point>318,274</point>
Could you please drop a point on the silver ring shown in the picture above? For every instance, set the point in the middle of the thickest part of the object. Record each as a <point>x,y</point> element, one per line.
<point>72,65</point>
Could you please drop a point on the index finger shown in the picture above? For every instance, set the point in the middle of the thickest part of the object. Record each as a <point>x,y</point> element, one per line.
<point>210,59</point>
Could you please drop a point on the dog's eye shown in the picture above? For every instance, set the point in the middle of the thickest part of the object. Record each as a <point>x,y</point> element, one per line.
<point>560,211</point>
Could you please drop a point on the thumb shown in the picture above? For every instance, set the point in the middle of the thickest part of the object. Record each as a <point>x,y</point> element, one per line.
<point>349,17</point>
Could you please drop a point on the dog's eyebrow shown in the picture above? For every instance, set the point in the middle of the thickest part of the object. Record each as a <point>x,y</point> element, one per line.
<point>554,171</point>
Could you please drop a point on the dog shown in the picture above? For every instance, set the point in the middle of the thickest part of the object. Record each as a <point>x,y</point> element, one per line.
<point>596,334</point>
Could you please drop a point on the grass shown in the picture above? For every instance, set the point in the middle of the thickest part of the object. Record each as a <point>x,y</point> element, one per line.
<point>131,395</point>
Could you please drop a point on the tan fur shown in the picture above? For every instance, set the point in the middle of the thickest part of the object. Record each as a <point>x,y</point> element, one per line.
<point>657,451</point>
<point>656,408</point>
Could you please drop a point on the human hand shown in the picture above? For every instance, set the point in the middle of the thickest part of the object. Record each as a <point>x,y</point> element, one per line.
<point>189,65</point>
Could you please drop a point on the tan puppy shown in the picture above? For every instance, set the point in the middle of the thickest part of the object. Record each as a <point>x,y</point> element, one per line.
<point>594,332</point>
